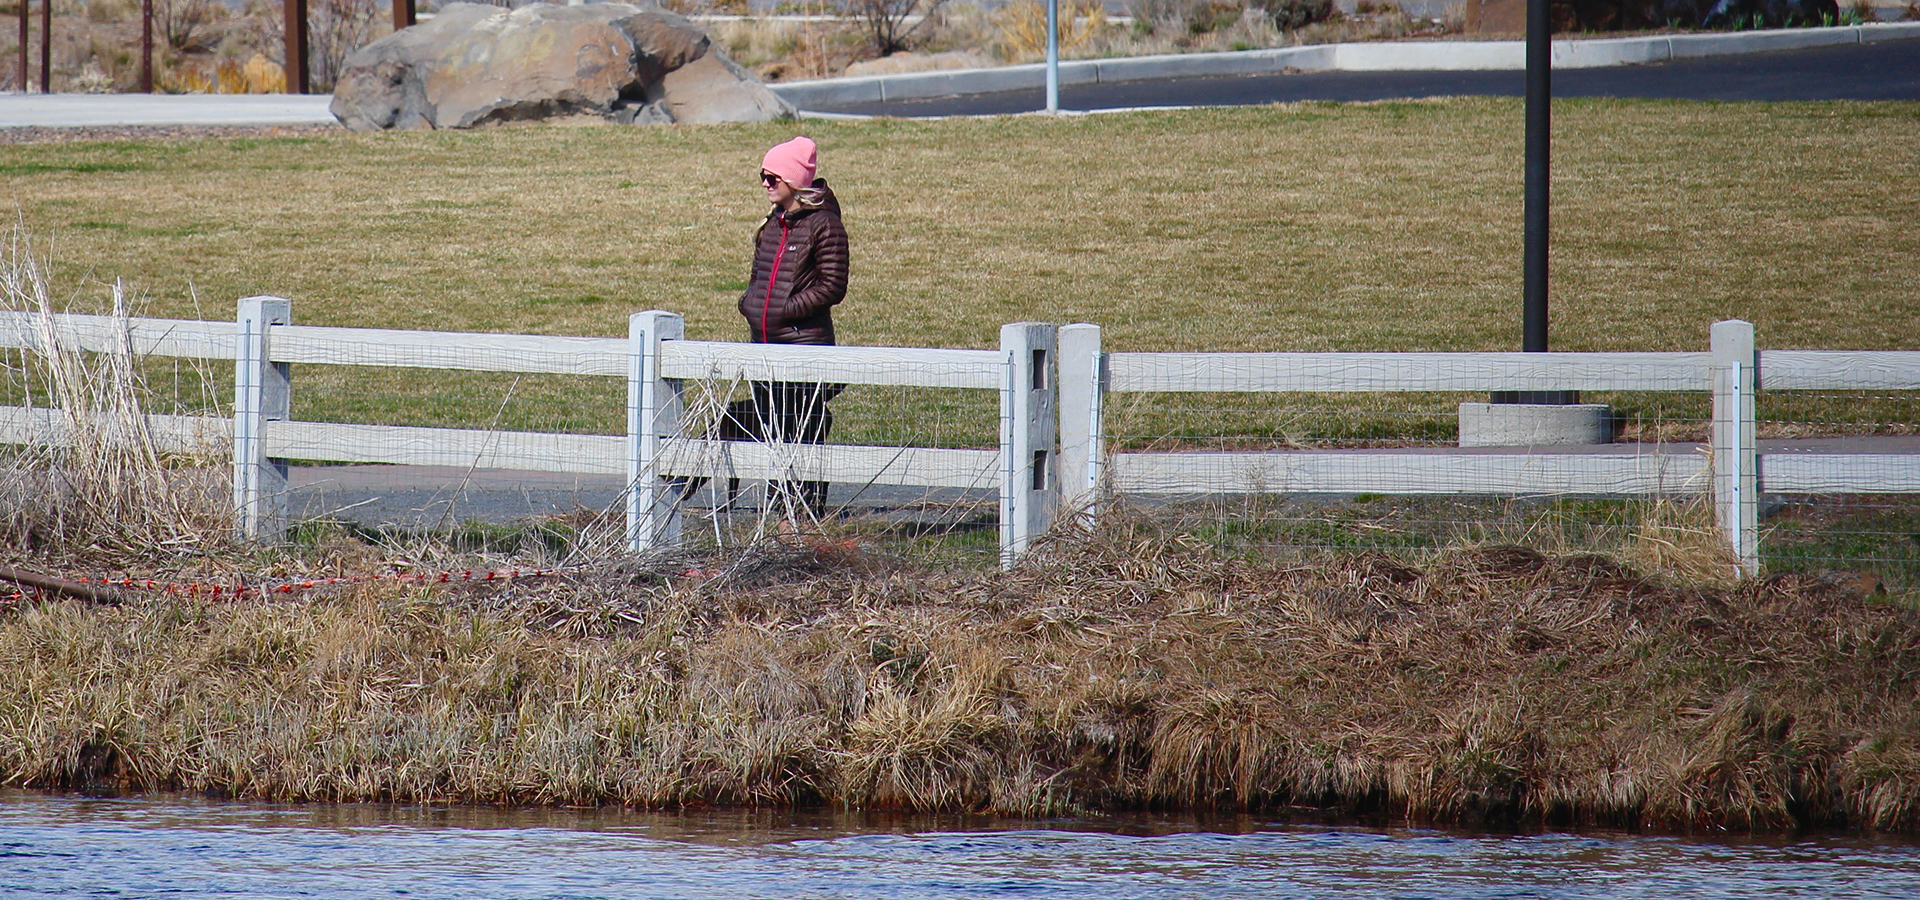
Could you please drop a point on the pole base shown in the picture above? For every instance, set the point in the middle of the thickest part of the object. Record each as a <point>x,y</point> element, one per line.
<point>1534,424</point>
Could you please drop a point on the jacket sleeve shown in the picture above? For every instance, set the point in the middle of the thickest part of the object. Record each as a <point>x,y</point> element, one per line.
<point>753,272</point>
<point>830,274</point>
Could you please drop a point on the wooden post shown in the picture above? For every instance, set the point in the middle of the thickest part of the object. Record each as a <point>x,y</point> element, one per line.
<point>296,34</point>
<point>261,394</point>
<point>1736,459</point>
<point>1029,460</point>
<point>653,413</point>
<point>404,14</point>
<point>1083,387</point>
<point>25,17</point>
<point>146,46</point>
<point>46,46</point>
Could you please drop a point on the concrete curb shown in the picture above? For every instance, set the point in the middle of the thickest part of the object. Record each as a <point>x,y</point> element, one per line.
<point>1373,57</point>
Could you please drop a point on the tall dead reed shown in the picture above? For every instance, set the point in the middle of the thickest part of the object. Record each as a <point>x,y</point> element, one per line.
<point>94,470</point>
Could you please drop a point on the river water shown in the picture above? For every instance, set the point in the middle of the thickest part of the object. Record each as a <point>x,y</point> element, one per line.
<point>57,846</point>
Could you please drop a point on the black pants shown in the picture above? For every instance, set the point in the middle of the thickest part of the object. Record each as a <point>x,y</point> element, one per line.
<point>784,412</point>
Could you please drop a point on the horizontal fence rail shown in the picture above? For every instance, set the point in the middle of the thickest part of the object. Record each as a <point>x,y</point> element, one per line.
<point>1841,473</point>
<point>172,434</point>
<point>1839,370</point>
<point>1393,372</point>
<point>1052,454</point>
<point>1390,472</point>
<point>178,338</point>
<point>474,352</point>
<point>894,366</point>
<point>584,454</point>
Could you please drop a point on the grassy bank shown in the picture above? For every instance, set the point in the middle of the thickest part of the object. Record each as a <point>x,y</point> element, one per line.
<point>1124,671</point>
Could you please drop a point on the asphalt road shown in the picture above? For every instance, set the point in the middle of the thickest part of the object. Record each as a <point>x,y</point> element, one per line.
<point>1884,71</point>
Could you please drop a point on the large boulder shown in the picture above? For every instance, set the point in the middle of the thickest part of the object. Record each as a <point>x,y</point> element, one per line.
<point>473,64</point>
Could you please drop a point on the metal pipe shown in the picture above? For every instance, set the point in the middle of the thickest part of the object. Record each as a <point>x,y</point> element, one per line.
<point>1053,56</point>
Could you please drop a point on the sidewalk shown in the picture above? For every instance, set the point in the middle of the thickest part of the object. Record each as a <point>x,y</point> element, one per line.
<point>113,110</point>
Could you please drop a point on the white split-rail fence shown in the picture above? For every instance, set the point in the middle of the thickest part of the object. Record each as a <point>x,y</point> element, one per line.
<point>1053,382</point>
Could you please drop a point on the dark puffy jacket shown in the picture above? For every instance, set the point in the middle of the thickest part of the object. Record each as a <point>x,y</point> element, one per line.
<point>799,273</point>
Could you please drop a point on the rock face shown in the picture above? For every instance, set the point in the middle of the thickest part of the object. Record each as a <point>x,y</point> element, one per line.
<point>472,65</point>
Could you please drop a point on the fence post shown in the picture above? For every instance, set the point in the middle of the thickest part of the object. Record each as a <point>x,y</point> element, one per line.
<point>1029,482</point>
<point>261,393</point>
<point>1083,388</point>
<point>653,413</point>
<point>1736,459</point>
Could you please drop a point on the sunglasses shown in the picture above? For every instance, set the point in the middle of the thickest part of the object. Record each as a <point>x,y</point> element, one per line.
<point>769,179</point>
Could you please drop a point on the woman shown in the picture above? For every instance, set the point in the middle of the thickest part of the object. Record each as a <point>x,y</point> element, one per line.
<point>799,274</point>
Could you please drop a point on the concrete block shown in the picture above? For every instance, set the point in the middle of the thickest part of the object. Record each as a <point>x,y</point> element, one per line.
<point>1531,425</point>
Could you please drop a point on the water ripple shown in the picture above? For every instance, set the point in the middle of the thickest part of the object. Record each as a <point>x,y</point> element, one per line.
<point>163,847</point>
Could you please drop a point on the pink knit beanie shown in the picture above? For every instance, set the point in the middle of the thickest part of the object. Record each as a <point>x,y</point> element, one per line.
<point>794,161</point>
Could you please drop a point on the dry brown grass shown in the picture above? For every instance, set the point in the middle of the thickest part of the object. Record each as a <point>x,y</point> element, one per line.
<point>110,480</point>
<point>1391,226</point>
<point>1124,669</point>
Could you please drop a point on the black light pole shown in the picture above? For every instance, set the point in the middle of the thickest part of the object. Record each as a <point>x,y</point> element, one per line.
<point>1539,153</point>
<point>1539,149</point>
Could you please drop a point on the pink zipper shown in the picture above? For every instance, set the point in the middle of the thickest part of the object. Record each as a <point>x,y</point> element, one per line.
<point>767,305</point>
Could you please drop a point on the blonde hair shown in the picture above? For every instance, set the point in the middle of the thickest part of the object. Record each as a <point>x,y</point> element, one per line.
<point>810,197</point>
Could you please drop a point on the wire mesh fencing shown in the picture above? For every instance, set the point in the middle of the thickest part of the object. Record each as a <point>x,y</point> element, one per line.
<point>1714,464</point>
<point>758,463</point>
<point>1870,536</point>
<point>1304,474</point>
<point>432,446</point>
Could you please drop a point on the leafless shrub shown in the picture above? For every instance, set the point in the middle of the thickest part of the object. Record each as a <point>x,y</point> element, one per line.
<point>186,25</point>
<point>335,28</point>
<point>884,22</point>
